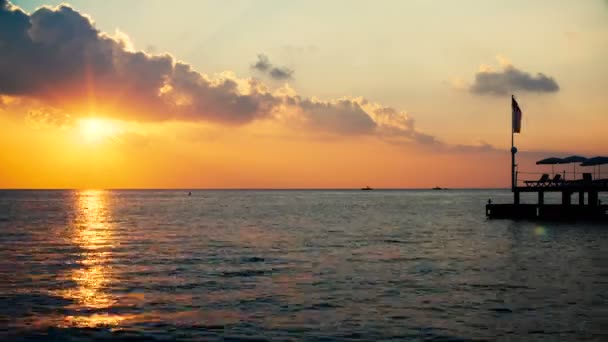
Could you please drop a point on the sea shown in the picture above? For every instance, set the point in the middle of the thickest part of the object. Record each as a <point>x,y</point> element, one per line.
<point>292,265</point>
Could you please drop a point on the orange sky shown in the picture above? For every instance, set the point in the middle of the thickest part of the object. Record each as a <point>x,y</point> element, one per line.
<point>81,108</point>
<point>180,156</point>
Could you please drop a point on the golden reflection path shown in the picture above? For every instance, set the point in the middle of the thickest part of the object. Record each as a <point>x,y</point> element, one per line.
<point>93,233</point>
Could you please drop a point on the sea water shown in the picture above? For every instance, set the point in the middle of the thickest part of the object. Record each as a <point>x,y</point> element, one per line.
<point>292,265</point>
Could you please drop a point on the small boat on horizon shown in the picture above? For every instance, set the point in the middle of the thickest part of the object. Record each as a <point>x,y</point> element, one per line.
<point>438,188</point>
<point>367,188</point>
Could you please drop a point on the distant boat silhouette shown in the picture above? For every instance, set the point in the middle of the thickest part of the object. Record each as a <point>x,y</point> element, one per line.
<point>367,188</point>
<point>439,188</point>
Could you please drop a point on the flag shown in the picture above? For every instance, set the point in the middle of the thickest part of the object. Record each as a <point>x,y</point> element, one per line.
<point>516,115</point>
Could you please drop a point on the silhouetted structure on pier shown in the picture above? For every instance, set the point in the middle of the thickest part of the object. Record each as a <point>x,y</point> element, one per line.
<point>590,209</point>
<point>588,206</point>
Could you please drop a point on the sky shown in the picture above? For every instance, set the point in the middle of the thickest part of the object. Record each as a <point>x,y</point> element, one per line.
<point>299,94</point>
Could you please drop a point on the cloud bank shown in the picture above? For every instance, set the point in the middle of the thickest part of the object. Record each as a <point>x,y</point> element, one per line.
<point>264,66</point>
<point>510,80</point>
<point>57,59</point>
<point>57,56</point>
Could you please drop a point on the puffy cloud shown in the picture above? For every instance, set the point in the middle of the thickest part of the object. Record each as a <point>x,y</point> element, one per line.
<point>509,80</point>
<point>344,116</point>
<point>264,66</point>
<point>358,116</point>
<point>56,55</point>
<point>57,58</point>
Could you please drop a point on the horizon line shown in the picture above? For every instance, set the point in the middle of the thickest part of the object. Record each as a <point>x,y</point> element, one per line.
<point>244,189</point>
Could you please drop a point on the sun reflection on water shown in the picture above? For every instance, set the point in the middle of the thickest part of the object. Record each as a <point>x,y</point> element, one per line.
<point>93,233</point>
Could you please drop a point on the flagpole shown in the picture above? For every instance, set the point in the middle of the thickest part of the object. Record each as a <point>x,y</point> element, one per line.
<point>515,128</point>
<point>513,149</point>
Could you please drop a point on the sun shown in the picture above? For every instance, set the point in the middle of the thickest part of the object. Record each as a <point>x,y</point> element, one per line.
<point>95,130</point>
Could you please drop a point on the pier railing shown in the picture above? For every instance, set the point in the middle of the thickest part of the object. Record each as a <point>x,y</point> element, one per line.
<point>567,176</point>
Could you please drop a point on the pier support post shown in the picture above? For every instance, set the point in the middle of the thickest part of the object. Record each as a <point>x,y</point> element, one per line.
<point>566,198</point>
<point>515,197</point>
<point>541,197</point>
<point>592,199</point>
<point>581,198</point>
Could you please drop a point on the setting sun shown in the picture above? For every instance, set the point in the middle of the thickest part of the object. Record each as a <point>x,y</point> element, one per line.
<point>96,130</point>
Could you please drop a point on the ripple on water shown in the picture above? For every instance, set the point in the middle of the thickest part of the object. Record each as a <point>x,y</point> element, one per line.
<point>286,265</point>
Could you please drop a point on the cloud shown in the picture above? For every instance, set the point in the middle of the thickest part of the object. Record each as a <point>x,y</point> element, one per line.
<point>56,59</point>
<point>45,116</point>
<point>282,73</point>
<point>56,55</point>
<point>264,66</point>
<point>344,116</point>
<point>510,80</point>
<point>481,146</point>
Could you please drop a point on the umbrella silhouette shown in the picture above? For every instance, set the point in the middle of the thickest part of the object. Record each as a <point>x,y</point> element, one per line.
<point>596,161</point>
<point>550,161</point>
<point>574,160</point>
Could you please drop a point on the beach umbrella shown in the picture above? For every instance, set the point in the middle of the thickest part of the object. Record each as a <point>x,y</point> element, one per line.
<point>574,160</point>
<point>550,161</point>
<point>596,161</point>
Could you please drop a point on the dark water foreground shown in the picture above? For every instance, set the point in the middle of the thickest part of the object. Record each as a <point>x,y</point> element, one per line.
<point>292,265</point>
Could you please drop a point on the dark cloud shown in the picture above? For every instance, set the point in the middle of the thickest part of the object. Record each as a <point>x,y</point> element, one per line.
<point>57,58</point>
<point>282,73</point>
<point>264,66</point>
<point>510,80</point>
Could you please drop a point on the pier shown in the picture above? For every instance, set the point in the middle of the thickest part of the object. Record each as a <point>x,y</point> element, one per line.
<point>587,188</point>
<point>588,206</point>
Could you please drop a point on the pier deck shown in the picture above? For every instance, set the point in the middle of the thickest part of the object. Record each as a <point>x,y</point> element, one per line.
<point>589,207</point>
<point>547,211</point>
<point>569,187</point>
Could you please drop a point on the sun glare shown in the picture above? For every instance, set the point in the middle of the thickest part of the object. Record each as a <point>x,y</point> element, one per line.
<point>96,130</point>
